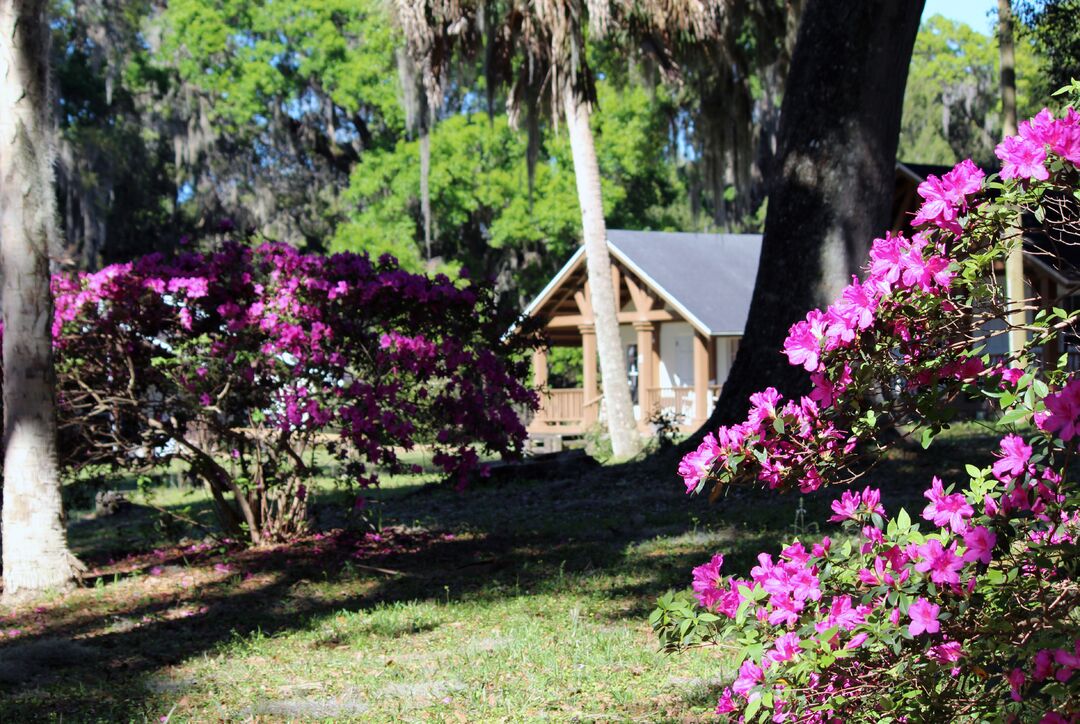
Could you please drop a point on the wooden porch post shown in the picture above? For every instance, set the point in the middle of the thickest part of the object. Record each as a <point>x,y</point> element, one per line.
<point>645,370</point>
<point>701,378</point>
<point>588,373</point>
<point>540,368</point>
<point>1052,348</point>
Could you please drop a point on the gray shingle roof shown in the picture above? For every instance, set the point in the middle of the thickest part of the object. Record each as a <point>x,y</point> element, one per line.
<point>708,277</point>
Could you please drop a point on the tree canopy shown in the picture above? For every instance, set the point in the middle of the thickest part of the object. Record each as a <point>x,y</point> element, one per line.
<point>290,119</point>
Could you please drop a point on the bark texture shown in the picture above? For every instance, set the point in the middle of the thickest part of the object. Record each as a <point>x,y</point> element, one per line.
<point>1014,263</point>
<point>831,184</point>
<point>35,552</point>
<point>625,441</point>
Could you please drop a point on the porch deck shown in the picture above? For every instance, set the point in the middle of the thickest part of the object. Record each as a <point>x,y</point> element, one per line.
<point>565,411</point>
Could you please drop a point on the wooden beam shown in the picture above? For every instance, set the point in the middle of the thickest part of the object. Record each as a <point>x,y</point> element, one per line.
<point>646,373</point>
<point>643,301</point>
<point>576,320</point>
<point>589,381</point>
<point>540,368</point>
<point>616,284</point>
<point>584,305</point>
<point>701,378</point>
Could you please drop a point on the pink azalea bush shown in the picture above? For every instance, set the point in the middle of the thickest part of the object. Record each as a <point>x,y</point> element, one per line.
<point>245,362</point>
<point>969,610</point>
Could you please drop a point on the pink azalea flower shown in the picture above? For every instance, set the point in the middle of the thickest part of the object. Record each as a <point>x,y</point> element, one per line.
<point>846,508</point>
<point>1016,680</point>
<point>965,179</point>
<point>750,675</point>
<point>924,617</point>
<point>942,563</point>
<point>707,580</point>
<point>952,510</point>
<point>728,602</point>
<point>785,648</point>
<point>857,640</point>
<point>696,466</point>
<point>1043,665</point>
<point>980,544</point>
<point>803,343</point>
<point>795,553</point>
<point>725,705</point>
<point>843,614</point>
<point>871,498</point>
<point>939,207</point>
<point>763,406</point>
<point>1011,376</point>
<point>1020,158</point>
<point>820,550</point>
<point>946,653</point>
<point>1066,142</point>
<point>1062,411</point>
<point>885,257</point>
<point>1015,454</point>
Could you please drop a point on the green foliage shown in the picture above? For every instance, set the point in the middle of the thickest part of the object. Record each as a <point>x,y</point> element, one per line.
<point>260,59</point>
<point>484,216</point>
<point>952,107</point>
<point>1053,29</point>
<point>564,366</point>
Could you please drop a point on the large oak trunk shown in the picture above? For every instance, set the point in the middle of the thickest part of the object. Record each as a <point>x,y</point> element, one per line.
<point>35,552</point>
<point>832,181</point>
<point>616,386</point>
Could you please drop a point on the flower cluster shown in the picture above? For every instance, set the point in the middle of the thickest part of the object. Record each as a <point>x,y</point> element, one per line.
<point>267,352</point>
<point>972,612</point>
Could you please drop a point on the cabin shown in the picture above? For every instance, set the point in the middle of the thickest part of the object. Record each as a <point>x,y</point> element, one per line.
<point>683,300</point>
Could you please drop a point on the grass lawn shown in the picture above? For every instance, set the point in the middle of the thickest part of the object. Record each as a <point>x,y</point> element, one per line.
<point>517,601</point>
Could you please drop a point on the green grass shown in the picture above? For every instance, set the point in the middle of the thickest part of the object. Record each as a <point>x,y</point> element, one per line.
<point>514,602</point>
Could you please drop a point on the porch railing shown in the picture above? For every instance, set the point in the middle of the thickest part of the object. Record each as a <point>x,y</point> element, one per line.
<point>679,400</point>
<point>561,409</point>
<point>565,409</point>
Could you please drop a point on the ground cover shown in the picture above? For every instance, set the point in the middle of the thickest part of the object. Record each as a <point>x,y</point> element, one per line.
<point>515,601</point>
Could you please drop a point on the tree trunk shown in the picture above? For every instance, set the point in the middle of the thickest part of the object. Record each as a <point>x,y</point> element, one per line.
<point>1014,263</point>
<point>425,190</point>
<point>831,182</point>
<point>35,552</point>
<point>625,441</point>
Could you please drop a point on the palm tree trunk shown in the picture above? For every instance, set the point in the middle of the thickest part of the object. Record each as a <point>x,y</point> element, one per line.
<point>625,441</point>
<point>425,189</point>
<point>35,552</point>
<point>1014,263</point>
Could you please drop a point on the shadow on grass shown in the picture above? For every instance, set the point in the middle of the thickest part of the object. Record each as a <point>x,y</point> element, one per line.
<point>624,533</point>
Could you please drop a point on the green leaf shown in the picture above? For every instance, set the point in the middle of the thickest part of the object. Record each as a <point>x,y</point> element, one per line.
<point>927,437</point>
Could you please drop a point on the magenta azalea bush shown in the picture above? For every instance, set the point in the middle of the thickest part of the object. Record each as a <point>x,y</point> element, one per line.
<point>968,610</point>
<point>249,363</point>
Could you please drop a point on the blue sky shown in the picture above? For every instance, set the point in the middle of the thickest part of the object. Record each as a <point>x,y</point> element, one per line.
<point>972,12</point>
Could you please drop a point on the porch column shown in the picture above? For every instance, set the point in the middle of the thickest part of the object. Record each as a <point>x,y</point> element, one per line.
<point>645,370</point>
<point>588,373</point>
<point>540,368</point>
<point>701,378</point>
<point>1048,295</point>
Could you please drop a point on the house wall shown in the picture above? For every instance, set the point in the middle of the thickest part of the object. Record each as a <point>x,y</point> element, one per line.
<point>726,348</point>
<point>676,354</point>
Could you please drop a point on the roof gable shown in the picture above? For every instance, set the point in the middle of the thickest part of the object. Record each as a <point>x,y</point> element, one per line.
<point>708,278</point>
